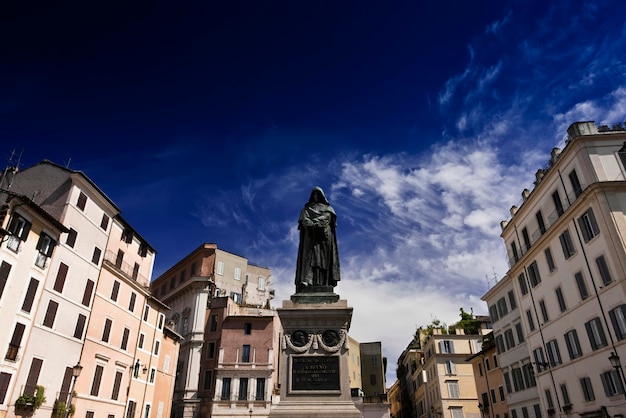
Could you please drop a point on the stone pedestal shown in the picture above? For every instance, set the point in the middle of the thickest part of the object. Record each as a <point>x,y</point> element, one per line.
<point>314,378</point>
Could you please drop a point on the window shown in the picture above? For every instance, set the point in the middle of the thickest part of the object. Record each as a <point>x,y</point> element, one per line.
<point>502,308</point>
<point>166,363</point>
<point>16,342</point>
<point>260,389</point>
<point>487,366</point>
<point>152,375</point>
<point>560,298</point>
<point>185,325</point>
<point>131,302</point>
<point>540,222</point>
<point>493,313</point>
<point>146,313</point>
<point>116,385</point>
<point>19,229</point>
<point>161,321</point>
<point>33,376</point>
<point>558,205</point>
<point>512,300</point>
<point>247,328</point>
<point>514,251</point>
<point>261,285</point>
<point>573,178</point>
<point>219,268</point>
<point>540,360</point>
<point>508,338</point>
<point>147,411</point>
<point>141,339</point>
<point>71,237</point>
<point>520,332</point>
<point>27,305</point>
<point>595,333</point>
<point>554,355</point>
<point>522,283</point>
<point>549,400</point>
<point>612,383</point>
<point>5,379</point>
<point>453,389</point>
<point>143,249</point>
<point>135,271</point>
<point>97,379</point>
<point>446,347</point>
<point>456,412</point>
<point>119,259</point>
<point>226,388</point>
<point>518,379</point>
<point>82,201</point>
<point>236,297</point>
<point>526,239</point>
<point>565,394</point>
<point>501,392</point>
<point>544,310</point>
<point>618,319</point>
<point>582,287</point>
<point>88,292</point>
<point>45,246</point>
<point>125,336</point>
<point>59,282</point>
<point>573,345</point>
<point>104,223</point>
<point>585,383</point>
<point>507,382</point>
<point>95,258</point>
<point>549,259</point>
<point>243,388</point>
<point>566,244</point>
<point>603,268</point>
<point>107,330</point>
<point>211,350</point>
<point>157,346</point>
<point>80,326</point>
<point>588,225</point>
<point>372,379</point>
<point>127,235</point>
<point>533,274</point>
<point>493,395</point>
<point>51,313</point>
<point>529,375</point>
<point>130,410</point>
<point>245,354</point>
<point>213,324</point>
<point>450,367</point>
<point>237,273</point>
<point>529,317</point>
<point>115,291</point>
<point>208,376</point>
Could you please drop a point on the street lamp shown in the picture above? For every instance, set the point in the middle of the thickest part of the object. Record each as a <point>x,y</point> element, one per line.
<point>75,373</point>
<point>617,365</point>
<point>481,408</point>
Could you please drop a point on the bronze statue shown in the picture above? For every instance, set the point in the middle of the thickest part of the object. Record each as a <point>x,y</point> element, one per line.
<point>317,269</point>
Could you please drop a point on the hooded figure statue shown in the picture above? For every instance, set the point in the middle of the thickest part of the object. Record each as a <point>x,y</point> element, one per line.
<point>318,258</point>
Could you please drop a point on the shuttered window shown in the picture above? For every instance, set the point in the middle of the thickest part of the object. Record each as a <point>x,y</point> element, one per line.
<point>97,379</point>
<point>5,269</point>
<point>88,291</point>
<point>61,275</point>
<point>27,305</point>
<point>51,313</point>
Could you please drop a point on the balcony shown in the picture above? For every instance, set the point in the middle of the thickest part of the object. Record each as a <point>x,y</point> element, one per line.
<point>131,272</point>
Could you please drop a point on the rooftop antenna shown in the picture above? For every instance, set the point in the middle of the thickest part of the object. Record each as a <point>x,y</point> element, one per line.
<point>67,164</point>
<point>12,167</point>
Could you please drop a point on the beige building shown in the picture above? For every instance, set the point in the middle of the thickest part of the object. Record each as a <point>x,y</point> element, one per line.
<point>354,368</point>
<point>568,267</point>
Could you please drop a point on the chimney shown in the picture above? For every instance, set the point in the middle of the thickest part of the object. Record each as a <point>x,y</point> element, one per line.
<point>554,155</point>
<point>513,210</point>
<point>581,128</point>
<point>525,194</point>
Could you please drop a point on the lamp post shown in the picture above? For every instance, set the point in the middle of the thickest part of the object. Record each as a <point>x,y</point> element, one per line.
<point>617,365</point>
<point>481,408</point>
<point>75,373</point>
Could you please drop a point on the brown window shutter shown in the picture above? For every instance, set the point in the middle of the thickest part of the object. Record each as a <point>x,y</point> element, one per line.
<point>33,376</point>
<point>71,237</point>
<point>30,295</point>
<point>97,378</point>
<point>116,386</point>
<point>65,385</point>
<point>5,269</point>
<point>88,291</point>
<point>61,275</point>
<point>51,313</point>
<point>80,326</point>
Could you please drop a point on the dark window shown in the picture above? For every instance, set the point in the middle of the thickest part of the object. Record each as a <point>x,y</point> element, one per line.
<point>588,225</point>
<point>27,305</point>
<point>526,239</point>
<point>603,268</point>
<point>507,382</point>
<point>135,271</point>
<point>540,360</point>
<point>508,338</point>
<point>213,324</point>
<point>208,376</point>
<point>585,383</point>
<point>71,237</point>
<point>33,376</point>
<point>82,201</point>
<point>5,269</point>
<point>161,320</point>
<point>502,308</point>
<point>146,313</point>
<point>512,300</point>
<point>88,291</point>
<point>243,388</point>
<point>554,354</point>
<point>500,344</point>
<point>544,310</point>
<point>97,379</point>
<point>558,205</point>
<point>618,319</point>
<point>51,313</point>
<point>533,274</point>
<point>529,375</point>
<point>125,336</point>
<point>612,383</point>
<point>573,178</point>
<point>16,341</point>
<point>566,244</point>
<point>143,249</point>
<point>549,400</point>
<point>260,389</point>
<point>5,379</point>
<point>115,291</point>
<point>245,354</point>
<point>130,410</point>
<point>211,350</point>
<point>531,322</point>
<point>595,333</point>
<point>560,298</point>
<point>107,330</point>
<point>540,222</point>
<point>493,313</point>
<point>520,332</point>
<point>127,235</point>
<point>140,342</point>
<point>522,283</point>
<point>65,384</point>
<point>193,270</point>
<point>549,259</point>
<point>518,379</point>
<point>96,255</point>
<point>226,388</point>
<point>514,251</point>
<point>131,302</point>
<point>116,386</point>
<point>104,223</point>
<point>582,287</point>
<point>157,345</point>
<point>19,228</point>
<point>80,326</point>
<point>119,259</point>
<point>573,345</point>
<point>61,275</point>
<point>46,245</point>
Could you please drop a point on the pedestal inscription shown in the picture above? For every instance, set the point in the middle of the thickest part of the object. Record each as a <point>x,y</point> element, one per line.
<point>315,373</point>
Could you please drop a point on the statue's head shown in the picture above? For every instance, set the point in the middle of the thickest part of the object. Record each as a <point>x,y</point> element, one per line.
<point>317,196</point>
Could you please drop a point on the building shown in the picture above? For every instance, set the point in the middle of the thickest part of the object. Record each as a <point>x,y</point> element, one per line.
<point>410,379</point>
<point>192,288</point>
<point>373,368</point>
<point>567,257</point>
<point>354,368</point>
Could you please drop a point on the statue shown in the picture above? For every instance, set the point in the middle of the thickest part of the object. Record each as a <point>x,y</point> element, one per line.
<point>317,269</point>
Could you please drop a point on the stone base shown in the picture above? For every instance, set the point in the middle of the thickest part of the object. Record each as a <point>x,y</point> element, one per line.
<point>315,297</point>
<point>313,409</point>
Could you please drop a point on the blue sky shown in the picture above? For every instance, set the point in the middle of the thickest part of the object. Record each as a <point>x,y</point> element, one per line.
<point>212,121</point>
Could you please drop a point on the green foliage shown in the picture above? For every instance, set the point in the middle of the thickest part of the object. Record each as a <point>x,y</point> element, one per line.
<point>467,323</point>
<point>60,408</point>
<point>32,401</point>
